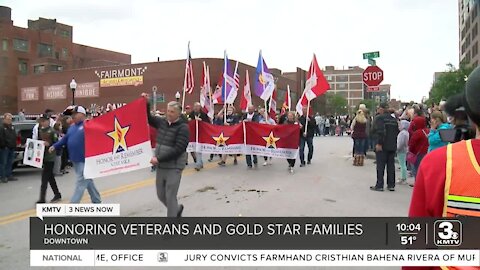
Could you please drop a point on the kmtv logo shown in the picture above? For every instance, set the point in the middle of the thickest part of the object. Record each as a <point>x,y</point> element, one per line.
<point>448,233</point>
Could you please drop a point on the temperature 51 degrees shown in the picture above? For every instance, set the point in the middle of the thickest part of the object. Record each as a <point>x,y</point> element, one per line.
<point>407,239</point>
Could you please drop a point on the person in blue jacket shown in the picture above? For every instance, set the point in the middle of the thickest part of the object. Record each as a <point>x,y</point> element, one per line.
<point>438,121</point>
<point>75,142</point>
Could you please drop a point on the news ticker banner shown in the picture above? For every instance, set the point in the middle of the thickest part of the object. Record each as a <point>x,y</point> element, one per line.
<point>306,241</point>
<point>77,210</point>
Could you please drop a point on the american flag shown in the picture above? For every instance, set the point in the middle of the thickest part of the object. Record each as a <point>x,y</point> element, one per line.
<point>189,82</point>
<point>236,77</point>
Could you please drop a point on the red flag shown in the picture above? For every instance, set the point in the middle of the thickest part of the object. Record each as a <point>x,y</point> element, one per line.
<point>247,95</point>
<point>205,93</point>
<point>316,85</point>
<point>217,94</point>
<point>287,103</point>
<point>273,105</point>
<point>118,142</point>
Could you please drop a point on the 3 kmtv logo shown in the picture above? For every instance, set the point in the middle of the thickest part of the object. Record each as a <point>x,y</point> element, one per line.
<point>448,233</point>
<point>162,257</point>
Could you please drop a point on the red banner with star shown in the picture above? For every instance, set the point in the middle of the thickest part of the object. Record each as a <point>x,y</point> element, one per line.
<point>280,141</point>
<point>118,142</point>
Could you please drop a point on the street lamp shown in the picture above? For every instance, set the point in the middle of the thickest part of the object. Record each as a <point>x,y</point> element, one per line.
<point>177,96</point>
<point>73,86</point>
<point>154,90</point>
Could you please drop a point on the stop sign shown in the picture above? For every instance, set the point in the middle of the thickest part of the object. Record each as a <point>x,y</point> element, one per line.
<point>372,76</point>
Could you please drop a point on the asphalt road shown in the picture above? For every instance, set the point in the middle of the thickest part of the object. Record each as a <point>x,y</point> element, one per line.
<point>331,186</point>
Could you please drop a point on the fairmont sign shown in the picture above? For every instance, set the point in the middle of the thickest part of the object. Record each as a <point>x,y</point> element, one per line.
<point>121,77</point>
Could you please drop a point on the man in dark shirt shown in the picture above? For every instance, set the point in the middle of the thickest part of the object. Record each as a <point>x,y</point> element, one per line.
<point>230,120</point>
<point>385,130</point>
<point>170,157</point>
<point>49,136</point>
<point>306,137</point>
<point>8,143</point>
<point>251,116</point>
<point>198,114</point>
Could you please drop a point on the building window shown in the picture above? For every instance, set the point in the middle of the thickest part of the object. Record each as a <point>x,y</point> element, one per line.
<point>355,78</point>
<point>474,31</point>
<point>20,45</point>
<point>23,67</point>
<point>332,86</point>
<point>329,77</point>
<point>44,50</point>
<point>39,69</point>
<point>3,63</point>
<point>342,86</point>
<point>342,78</point>
<point>55,68</point>
<point>64,53</point>
<point>356,85</point>
<point>475,50</point>
<point>65,33</point>
<point>5,45</point>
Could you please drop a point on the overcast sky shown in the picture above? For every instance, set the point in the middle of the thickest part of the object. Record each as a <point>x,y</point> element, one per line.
<point>415,37</point>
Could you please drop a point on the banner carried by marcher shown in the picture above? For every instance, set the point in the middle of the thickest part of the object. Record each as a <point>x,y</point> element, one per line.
<point>34,151</point>
<point>214,139</point>
<point>118,142</point>
<point>279,141</point>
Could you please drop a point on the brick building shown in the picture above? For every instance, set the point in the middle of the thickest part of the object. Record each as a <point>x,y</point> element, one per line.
<point>45,46</point>
<point>468,23</point>
<point>100,86</point>
<point>347,83</point>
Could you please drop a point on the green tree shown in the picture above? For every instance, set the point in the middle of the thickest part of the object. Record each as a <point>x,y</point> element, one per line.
<point>336,104</point>
<point>450,83</point>
<point>371,104</point>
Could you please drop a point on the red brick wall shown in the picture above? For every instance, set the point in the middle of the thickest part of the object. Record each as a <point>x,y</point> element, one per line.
<point>167,76</point>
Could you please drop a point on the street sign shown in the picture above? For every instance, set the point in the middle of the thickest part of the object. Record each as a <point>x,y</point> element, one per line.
<point>371,55</point>
<point>372,76</point>
<point>372,62</point>
<point>373,89</point>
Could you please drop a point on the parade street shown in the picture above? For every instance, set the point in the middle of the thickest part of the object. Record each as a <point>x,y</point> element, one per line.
<point>330,186</point>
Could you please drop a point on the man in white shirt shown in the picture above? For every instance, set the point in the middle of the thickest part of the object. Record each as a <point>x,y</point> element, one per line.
<point>318,121</point>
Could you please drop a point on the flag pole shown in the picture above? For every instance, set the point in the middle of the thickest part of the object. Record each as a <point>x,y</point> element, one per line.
<point>289,103</point>
<point>224,88</point>
<point>306,118</point>
<point>210,94</point>
<point>185,79</point>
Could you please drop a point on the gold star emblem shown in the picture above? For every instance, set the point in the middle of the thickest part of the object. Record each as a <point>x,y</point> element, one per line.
<point>271,140</point>
<point>261,79</point>
<point>221,140</point>
<point>118,136</point>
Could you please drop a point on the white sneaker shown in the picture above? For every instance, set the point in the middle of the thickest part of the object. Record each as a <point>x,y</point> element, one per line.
<point>401,182</point>
<point>291,169</point>
<point>265,163</point>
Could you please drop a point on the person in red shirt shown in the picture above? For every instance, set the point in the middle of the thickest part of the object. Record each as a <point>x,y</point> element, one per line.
<point>418,143</point>
<point>428,199</point>
<point>419,121</point>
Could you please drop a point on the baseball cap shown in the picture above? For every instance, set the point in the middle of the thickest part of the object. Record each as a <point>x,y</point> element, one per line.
<point>43,117</point>
<point>80,109</point>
